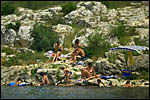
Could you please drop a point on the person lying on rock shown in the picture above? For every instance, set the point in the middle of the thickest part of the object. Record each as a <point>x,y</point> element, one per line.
<point>19,81</point>
<point>127,84</point>
<point>58,50</point>
<point>89,72</point>
<point>67,73</point>
<point>78,51</point>
<point>45,79</point>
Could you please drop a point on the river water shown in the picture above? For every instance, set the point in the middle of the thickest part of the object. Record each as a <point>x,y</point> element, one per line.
<point>73,92</point>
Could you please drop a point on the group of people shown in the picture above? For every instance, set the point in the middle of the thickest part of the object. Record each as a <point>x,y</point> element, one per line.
<point>87,72</point>
<point>77,51</point>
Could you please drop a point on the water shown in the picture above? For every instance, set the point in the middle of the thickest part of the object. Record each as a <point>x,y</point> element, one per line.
<point>73,92</point>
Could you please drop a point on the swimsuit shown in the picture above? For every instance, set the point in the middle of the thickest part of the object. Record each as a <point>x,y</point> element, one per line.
<point>82,58</point>
<point>59,49</point>
<point>69,72</point>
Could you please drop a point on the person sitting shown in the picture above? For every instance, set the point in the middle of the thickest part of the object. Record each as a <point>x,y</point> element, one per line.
<point>58,50</point>
<point>127,84</point>
<point>89,72</point>
<point>77,43</point>
<point>78,51</point>
<point>67,73</point>
<point>19,81</point>
<point>45,79</point>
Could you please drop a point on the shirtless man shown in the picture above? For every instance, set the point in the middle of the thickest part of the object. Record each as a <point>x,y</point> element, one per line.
<point>67,73</point>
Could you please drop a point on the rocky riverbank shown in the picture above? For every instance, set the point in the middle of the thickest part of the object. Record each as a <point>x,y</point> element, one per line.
<point>94,18</point>
<point>30,73</point>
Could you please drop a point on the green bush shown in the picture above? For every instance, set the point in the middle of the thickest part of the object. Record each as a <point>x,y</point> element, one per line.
<point>7,9</point>
<point>141,42</point>
<point>123,33</point>
<point>44,38</point>
<point>97,46</point>
<point>68,7</point>
<point>12,26</point>
<point>112,57</point>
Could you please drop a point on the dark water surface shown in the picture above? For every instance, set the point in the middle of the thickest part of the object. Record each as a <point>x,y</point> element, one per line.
<point>73,92</point>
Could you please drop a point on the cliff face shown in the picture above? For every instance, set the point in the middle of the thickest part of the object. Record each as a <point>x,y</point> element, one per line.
<point>91,15</point>
<point>91,18</point>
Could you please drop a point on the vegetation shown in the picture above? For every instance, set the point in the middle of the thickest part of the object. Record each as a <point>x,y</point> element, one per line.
<point>36,5</point>
<point>97,46</point>
<point>14,27</point>
<point>44,38</point>
<point>68,7</point>
<point>116,4</point>
<point>22,58</point>
<point>123,33</point>
<point>55,20</point>
<point>112,57</point>
<point>7,8</point>
<point>141,42</point>
<point>8,51</point>
<point>143,75</point>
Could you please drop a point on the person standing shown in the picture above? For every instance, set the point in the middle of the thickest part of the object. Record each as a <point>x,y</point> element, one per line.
<point>58,50</point>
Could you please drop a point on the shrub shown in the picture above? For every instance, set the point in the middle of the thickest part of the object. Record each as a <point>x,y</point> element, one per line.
<point>7,9</point>
<point>112,57</point>
<point>123,32</point>
<point>141,42</point>
<point>8,51</point>
<point>97,45</point>
<point>131,77</point>
<point>68,7</point>
<point>12,26</point>
<point>44,38</point>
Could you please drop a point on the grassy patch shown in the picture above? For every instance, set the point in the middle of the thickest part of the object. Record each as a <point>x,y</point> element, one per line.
<point>25,58</point>
<point>8,51</point>
<point>36,5</point>
<point>123,33</point>
<point>116,4</point>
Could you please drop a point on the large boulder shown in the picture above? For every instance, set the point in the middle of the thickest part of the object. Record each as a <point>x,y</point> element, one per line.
<point>93,6</point>
<point>141,61</point>
<point>8,37</point>
<point>103,66</point>
<point>24,35</point>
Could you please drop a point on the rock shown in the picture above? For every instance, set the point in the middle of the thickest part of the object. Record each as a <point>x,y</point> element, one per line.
<point>143,33</point>
<point>141,61</point>
<point>9,37</point>
<point>145,3</point>
<point>103,66</point>
<point>24,36</point>
<point>56,10</point>
<point>95,7</point>
<point>63,28</point>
